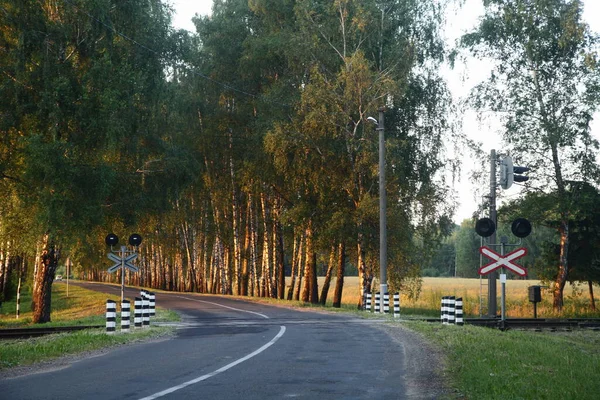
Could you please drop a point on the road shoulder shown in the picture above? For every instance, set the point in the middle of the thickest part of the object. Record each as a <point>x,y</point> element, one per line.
<point>424,364</point>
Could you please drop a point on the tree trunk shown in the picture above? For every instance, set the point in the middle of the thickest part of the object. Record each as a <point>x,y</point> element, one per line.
<point>300,266</point>
<point>254,278</point>
<point>364,276</point>
<point>327,281</point>
<point>314,286</point>
<point>4,271</point>
<point>245,274</point>
<point>293,272</point>
<point>563,267</point>
<point>307,266</point>
<point>267,255</point>
<point>186,232</point>
<point>280,261</point>
<point>235,222</point>
<point>592,301</point>
<point>311,286</point>
<point>339,282</point>
<point>44,277</point>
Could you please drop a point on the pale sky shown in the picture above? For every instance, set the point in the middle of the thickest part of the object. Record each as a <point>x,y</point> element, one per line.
<point>460,80</point>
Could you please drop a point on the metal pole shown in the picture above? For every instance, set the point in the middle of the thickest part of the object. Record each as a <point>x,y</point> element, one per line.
<point>503,282</point>
<point>492,303</point>
<point>382,211</point>
<point>123,250</point>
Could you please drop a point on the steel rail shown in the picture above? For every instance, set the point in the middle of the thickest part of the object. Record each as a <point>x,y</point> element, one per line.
<point>532,323</point>
<point>24,333</point>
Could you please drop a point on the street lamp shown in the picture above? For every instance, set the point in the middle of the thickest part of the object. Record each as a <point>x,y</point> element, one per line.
<point>382,211</point>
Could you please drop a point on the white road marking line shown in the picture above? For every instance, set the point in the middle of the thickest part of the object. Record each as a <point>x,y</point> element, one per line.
<point>221,305</point>
<point>222,369</point>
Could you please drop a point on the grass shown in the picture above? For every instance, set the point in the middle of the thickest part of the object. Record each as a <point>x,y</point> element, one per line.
<point>484,363</point>
<point>82,307</point>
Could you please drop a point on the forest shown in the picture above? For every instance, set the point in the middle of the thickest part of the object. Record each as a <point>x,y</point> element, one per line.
<point>243,153</point>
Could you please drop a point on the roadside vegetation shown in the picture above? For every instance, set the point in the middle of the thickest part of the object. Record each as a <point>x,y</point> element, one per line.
<point>483,363</point>
<point>82,307</point>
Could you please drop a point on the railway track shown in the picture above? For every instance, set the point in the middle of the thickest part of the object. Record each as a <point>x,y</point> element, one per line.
<point>24,333</point>
<point>534,323</point>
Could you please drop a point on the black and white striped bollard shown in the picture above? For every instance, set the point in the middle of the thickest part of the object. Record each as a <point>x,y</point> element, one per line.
<point>451,310</point>
<point>152,297</point>
<point>377,302</point>
<point>443,316</point>
<point>125,315</point>
<point>137,316</point>
<point>369,297</point>
<point>396,305</point>
<point>386,303</point>
<point>145,311</point>
<point>111,316</point>
<point>459,312</point>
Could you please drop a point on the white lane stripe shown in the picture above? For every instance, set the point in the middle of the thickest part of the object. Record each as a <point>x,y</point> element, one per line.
<point>221,305</point>
<point>222,369</point>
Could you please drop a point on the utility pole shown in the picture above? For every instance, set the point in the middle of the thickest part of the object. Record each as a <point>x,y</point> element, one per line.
<point>492,304</point>
<point>383,289</point>
<point>382,212</point>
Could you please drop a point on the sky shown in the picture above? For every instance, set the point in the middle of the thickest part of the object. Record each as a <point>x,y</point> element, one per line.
<point>460,80</point>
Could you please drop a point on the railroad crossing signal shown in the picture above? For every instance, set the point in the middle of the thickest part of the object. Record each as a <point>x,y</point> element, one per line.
<point>125,260</point>
<point>510,173</point>
<point>503,261</point>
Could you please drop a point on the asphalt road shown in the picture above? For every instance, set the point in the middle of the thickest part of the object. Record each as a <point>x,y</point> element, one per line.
<point>232,349</point>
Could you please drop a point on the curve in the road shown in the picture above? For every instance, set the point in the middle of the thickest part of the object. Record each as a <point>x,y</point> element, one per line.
<point>224,306</point>
<point>218,371</point>
<point>226,367</point>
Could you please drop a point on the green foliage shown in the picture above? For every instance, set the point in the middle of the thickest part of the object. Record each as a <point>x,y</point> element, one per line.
<point>117,123</point>
<point>543,245</point>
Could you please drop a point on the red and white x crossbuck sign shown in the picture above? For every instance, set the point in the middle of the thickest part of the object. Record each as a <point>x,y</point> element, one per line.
<point>503,261</point>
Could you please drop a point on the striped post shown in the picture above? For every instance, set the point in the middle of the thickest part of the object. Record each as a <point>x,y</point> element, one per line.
<point>451,310</point>
<point>396,305</point>
<point>145,311</point>
<point>444,317</point>
<point>377,302</point>
<point>386,303</point>
<point>137,317</point>
<point>111,316</point>
<point>125,315</point>
<point>459,312</point>
<point>369,296</point>
<point>442,310</point>
<point>152,304</point>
